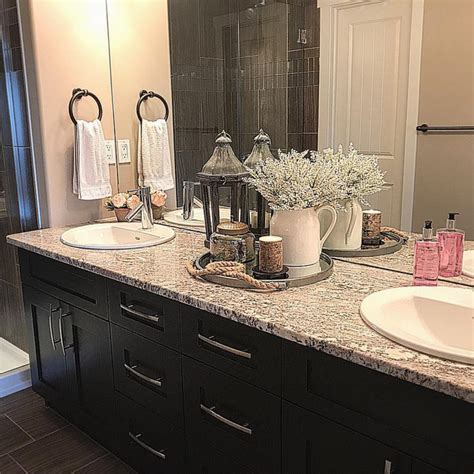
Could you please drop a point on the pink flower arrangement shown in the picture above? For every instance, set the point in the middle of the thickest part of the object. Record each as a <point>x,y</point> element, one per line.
<point>158,198</point>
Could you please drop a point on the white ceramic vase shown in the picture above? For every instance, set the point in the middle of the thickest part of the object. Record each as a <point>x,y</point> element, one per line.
<point>347,233</point>
<point>301,233</point>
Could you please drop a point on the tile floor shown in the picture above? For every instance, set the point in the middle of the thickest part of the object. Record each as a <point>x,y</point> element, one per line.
<point>34,438</point>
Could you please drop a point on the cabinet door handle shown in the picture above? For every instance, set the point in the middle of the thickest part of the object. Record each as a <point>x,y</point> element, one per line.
<point>134,371</point>
<point>61,337</point>
<point>149,317</point>
<point>232,350</point>
<point>50,322</point>
<point>388,467</point>
<point>136,439</point>
<point>211,412</point>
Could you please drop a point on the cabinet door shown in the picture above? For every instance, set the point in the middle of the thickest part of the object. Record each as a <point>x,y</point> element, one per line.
<point>234,418</point>
<point>313,444</point>
<point>47,362</point>
<point>86,344</point>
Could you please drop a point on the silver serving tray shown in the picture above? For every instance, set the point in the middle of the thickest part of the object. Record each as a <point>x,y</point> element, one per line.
<point>392,243</point>
<point>297,276</point>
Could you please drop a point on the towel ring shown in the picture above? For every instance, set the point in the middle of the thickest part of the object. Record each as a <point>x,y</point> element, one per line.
<point>145,95</point>
<point>78,94</point>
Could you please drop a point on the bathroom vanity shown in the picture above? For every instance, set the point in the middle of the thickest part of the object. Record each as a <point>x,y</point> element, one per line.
<point>176,375</point>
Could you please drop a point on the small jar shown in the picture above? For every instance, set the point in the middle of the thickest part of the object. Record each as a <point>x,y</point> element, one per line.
<point>232,242</point>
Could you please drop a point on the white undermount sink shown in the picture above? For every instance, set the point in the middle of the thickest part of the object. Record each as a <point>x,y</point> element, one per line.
<point>434,320</point>
<point>117,236</point>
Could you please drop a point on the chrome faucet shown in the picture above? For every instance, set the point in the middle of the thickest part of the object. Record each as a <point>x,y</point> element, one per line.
<point>144,194</point>
<point>188,199</point>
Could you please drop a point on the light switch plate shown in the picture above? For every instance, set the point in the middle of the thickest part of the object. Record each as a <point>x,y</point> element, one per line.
<point>110,150</point>
<point>124,151</point>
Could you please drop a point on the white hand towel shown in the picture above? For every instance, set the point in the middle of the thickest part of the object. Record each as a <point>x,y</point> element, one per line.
<point>154,159</point>
<point>91,178</point>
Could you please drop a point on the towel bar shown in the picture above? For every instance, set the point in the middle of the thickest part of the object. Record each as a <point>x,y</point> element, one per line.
<point>145,95</point>
<point>79,94</point>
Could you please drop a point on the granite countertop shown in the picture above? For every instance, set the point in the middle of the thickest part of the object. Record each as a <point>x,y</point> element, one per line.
<point>402,261</point>
<point>324,315</point>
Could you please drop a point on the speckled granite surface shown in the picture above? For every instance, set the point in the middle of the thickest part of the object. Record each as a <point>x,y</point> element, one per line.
<point>324,315</point>
<point>402,261</point>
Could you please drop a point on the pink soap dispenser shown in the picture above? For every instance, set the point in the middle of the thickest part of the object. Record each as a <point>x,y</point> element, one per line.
<point>451,241</point>
<point>427,255</point>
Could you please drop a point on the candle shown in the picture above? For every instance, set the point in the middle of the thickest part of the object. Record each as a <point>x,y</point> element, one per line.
<point>271,254</point>
<point>371,221</point>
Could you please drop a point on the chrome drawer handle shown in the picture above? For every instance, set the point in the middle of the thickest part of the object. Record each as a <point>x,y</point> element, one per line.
<point>50,322</point>
<point>232,350</point>
<point>135,438</point>
<point>149,317</point>
<point>134,371</point>
<point>211,412</point>
<point>61,337</point>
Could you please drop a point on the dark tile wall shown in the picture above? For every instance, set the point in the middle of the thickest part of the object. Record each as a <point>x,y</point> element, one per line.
<point>239,65</point>
<point>17,201</point>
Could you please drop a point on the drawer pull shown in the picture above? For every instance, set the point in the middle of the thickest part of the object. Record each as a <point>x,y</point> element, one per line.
<point>135,438</point>
<point>61,336</point>
<point>232,350</point>
<point>149,317</point>
<point>134,371</point>
<point>50,321</point>
<point>211,412</point>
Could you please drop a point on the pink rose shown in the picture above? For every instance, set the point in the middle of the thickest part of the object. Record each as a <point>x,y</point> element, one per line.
<point>158,199</point>
<point>133,201</point>
<point>119,200</point>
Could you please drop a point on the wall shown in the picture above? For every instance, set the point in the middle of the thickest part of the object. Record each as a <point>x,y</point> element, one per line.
<point>444,180</point>
<point>67,47</point>
<point>139,45</point>
<point>17,193</point>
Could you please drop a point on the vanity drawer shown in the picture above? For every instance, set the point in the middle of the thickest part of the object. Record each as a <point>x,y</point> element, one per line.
<point>314,444</point>
<point>310,378</point>
<point>144,313</point>
<point>70,284</point>
<point>147,442</point>
<point>244,352</point>
<point>225,415</point>
<point>148,373</point>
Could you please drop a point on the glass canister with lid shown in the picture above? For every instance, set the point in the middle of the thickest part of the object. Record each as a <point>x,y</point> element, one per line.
<point>232,242</point>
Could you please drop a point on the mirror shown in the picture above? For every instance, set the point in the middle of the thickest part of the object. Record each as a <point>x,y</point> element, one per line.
<point>312,75</point>
<point>140,61</point>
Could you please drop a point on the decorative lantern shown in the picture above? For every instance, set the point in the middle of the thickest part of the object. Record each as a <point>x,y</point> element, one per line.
<point>259,211</point>
<point>223,170</point>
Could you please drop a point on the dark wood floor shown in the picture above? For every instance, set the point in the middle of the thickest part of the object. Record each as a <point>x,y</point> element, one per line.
<point>34,438</point>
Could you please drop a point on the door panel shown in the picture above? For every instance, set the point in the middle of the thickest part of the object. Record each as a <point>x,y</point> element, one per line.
<point>314,444</point>
<point>48,365</point>
<point>365,48</point>
<point>89,363</point>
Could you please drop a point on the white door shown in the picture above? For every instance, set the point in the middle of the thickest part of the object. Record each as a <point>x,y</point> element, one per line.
<point>365,47</point>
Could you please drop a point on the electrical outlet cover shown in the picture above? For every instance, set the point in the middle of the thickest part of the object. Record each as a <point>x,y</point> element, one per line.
<point>124,151</point>
<point>110,150</point>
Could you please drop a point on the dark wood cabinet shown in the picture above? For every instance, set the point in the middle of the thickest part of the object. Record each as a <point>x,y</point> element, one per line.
<point>316,445</point>
<point>246,353</point>
<point>147,441</point>
<point>231,417</point>
<point>173,389</point>
<point>47,361</point>
<point>148,373</point>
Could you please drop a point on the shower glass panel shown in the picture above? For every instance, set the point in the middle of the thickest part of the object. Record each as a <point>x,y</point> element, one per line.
<point>242,65</point>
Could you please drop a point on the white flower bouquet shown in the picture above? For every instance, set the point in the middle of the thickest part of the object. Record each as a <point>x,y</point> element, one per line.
<point>359,174</point>
<point>293,181</point>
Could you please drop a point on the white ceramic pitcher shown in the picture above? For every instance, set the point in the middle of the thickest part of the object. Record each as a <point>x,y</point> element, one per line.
<point>347,233</point>
<point>301,233</point>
